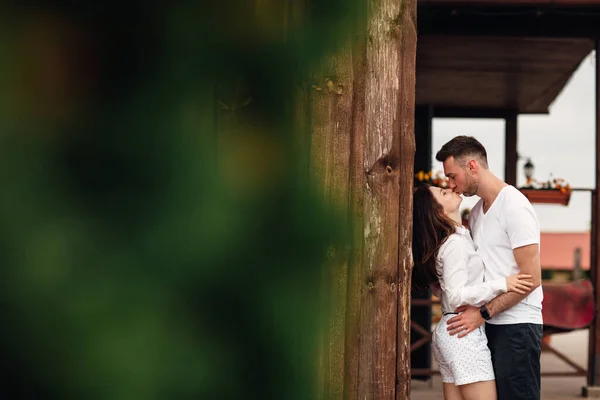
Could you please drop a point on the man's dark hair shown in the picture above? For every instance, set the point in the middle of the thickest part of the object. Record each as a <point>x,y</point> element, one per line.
<point>461,147</point>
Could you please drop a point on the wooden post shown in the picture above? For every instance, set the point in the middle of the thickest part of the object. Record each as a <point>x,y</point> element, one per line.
<point>511,156</point>
<point>593,378</point>
<point>423,137</point>
<point>330,153</point>
<point>592,375</point>
<point>384,358</point>
<point>407,40</point>
<point>421,314</point>
<point>357,222</point>
<point>577,264</point>
<point>362,154</point>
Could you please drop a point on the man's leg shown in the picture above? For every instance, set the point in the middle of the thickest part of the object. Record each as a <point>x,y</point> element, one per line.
<point>516,358</point>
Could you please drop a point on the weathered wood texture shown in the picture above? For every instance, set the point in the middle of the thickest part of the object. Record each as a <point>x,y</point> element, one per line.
<point>362,154</point>
<point>382,344</point>
<point>330,158</point>
<point>356,220</point>
<point>407,29</point>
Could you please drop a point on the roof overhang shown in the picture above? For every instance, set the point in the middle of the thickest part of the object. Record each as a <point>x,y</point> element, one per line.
<point>521,74</point>
<point>483,58</point>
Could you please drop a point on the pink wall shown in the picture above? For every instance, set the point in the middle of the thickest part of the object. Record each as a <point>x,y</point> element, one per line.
<point>557,249</point>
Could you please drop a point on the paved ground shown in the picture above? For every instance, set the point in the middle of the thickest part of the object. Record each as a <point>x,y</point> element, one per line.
<point>574,344</point>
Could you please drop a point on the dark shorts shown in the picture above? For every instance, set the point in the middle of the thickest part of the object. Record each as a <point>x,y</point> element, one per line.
<point>516,350</point>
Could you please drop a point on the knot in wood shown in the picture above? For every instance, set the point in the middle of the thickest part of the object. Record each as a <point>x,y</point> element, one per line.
<point>393,287</point>
<point>383,165</point>
<point>370,285</point>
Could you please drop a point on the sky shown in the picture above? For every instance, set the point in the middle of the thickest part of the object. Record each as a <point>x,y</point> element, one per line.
<point>560,144</point>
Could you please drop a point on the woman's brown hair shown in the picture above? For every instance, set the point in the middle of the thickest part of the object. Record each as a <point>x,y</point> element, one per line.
<point>431,228</point>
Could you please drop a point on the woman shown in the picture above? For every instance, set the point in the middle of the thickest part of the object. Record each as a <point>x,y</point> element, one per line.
<point>445,257</point>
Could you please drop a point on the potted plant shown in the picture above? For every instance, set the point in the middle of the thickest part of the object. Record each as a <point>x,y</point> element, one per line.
<point>553,191</point>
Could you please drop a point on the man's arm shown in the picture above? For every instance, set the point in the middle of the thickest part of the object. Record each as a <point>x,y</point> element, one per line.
<point>528,260</point>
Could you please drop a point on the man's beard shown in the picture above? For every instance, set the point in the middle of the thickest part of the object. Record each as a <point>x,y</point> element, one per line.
<point>471,189</point>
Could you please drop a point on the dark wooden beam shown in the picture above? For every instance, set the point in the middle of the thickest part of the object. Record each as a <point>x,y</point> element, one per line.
<point>423,134</point>
<point>509,20</point>
<point>593,374</point>
<point>510,146</point>
<point>420,314</point>
<point>459,112</point>
<point>593,378</point>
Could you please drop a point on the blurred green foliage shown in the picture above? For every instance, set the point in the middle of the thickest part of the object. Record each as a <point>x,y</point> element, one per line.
<point>161,238</point>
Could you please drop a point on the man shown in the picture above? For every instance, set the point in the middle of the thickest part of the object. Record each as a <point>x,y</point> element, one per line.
<point>506,231</point>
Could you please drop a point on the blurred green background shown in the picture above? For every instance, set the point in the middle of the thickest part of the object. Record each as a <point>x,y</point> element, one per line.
<point>160,235</point>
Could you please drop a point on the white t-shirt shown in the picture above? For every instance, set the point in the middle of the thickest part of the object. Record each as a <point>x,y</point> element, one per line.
<point>460,271</point>
<point>509,223</point>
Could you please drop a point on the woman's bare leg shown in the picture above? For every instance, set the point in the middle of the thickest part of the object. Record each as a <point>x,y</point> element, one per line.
<point>479,390</point>
<point>452,392</point>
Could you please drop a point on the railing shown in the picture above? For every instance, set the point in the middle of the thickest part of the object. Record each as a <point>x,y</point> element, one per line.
<point>546,347</point>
